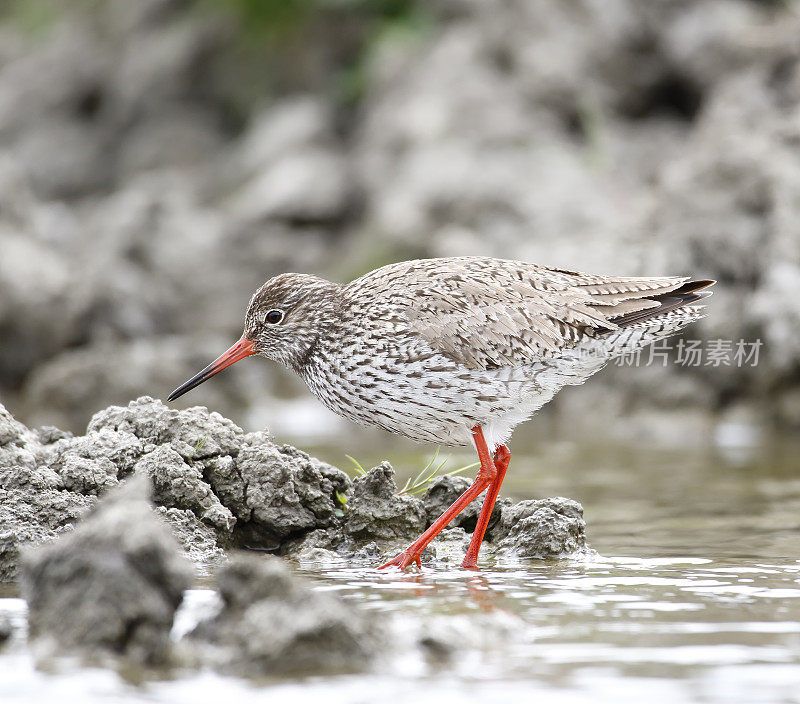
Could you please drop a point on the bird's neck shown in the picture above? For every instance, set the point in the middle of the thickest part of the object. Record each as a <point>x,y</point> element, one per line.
<point>327,316</point>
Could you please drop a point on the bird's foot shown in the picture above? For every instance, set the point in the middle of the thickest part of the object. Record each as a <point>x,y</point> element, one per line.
<point>470,563</point>
<point>403,560</point>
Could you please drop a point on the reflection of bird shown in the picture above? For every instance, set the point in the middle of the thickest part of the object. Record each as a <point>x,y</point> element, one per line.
<point>455,351</point>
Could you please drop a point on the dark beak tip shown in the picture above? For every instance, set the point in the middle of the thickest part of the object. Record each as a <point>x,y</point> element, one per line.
<point>237,351</point>
<point>177,393</point>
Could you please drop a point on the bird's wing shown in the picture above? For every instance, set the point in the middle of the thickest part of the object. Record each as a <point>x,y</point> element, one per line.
<point>491,313</point>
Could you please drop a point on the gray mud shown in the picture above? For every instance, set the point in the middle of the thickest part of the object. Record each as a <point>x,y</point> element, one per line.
<point>274,622</point>
<point>379,523</point>
<point>111,585</point>
<point>444,490</point>
<point>215,484</point>
<point>219,488</point>
<point>100,526</point>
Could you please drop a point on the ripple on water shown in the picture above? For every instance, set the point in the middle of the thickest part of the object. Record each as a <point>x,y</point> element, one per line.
<point>700,608</point>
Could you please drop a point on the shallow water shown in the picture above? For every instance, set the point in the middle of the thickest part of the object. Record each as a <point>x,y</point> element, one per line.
<point>694,597</point>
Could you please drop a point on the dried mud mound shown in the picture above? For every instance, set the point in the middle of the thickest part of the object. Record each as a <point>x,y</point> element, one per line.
<point>274,622</point>
<point>111,589</point>
<point>219,488</point>
<point>216,485</point>
<point>111,585</point>
<point>379,523</point>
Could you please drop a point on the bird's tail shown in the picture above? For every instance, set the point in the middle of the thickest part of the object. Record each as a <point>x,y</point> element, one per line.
<point>688,293</point>
<point>675,310</point>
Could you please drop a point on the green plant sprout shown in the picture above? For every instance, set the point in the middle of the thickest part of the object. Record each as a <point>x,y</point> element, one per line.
<point>431,470</point>
<point>198,446</point>
<point>341,499</point>
<point>359,469</point>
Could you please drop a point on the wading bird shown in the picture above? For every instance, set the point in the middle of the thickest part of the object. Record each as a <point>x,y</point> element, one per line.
<point>455,351</point>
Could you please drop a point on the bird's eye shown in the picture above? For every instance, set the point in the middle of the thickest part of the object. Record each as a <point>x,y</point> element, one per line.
<point>273,316</point>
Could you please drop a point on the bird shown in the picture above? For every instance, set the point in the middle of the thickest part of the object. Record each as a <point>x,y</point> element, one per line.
<point>456,350</point>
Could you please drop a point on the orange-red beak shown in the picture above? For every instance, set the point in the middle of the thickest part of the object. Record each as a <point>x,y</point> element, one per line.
<point>243,348</point>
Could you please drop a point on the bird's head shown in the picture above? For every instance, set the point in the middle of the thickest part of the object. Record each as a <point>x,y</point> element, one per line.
<point>283,322</point>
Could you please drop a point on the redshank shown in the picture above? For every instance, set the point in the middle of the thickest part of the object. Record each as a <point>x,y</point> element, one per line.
<point>455,351</point>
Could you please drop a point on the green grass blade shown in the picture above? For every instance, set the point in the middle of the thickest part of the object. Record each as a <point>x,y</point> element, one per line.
<point>357,465</point>
<point>432,470</point>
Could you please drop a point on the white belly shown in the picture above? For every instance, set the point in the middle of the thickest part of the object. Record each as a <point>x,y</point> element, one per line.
<point>437,400</point>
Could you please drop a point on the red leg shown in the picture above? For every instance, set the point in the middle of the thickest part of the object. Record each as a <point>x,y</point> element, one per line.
<point>501,459</point>
<point>486,475</point>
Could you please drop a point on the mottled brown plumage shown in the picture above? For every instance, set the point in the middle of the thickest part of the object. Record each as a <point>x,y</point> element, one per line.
<point>491,313</point>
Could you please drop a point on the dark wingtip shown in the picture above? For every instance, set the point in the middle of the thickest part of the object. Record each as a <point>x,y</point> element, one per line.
<point>692,286</point>
<point>700,295</point>
<point>686,294</point>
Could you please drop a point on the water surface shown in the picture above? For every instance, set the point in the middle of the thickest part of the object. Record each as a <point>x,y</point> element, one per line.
<point>694,596</point>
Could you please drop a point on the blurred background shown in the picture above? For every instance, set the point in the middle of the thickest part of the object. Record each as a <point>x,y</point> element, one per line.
<point>159,159</point>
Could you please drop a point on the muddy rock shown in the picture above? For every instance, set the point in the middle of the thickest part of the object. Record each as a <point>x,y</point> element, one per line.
<point>34,503</point>
<point>218,487</point>
<point>21,457</point>
<point>377,523</point>
<point>87,476</point>
<point>33,517</point>
<point>541,528</point>
<point>200,542</point>
<point>111,585</point>
<point>11,430</point>
<point>284,492</point>
<point>329,546</point>
<point>94,462</point>
<point>376,512</point>
<point>195,433</point>
<point>48,434</point>
<point>274,622</point>
<point>180,485</point>
<point>241,484</point>
<point>324,544</point>
<point>441,493</point>
<point>215,485</point>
